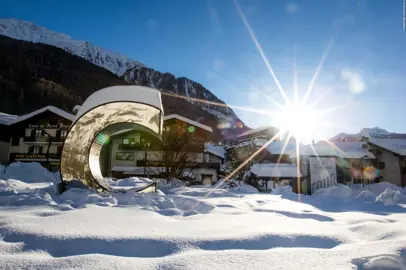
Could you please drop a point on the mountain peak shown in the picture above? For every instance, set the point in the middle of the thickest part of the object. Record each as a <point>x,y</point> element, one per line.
<point>28,31</point>
<point>131,71</point>
<point>365,132</point>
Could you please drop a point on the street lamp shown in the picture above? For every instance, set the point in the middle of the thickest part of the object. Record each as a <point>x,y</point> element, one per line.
<point>146,144</point>
<point>362,171</point>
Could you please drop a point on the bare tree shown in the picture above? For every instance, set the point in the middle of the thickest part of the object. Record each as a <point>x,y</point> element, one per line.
<point>179,154</point>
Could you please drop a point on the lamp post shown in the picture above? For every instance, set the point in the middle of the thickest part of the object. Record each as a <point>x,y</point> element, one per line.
<point>146,144</point>
<point>49,146</point>
<point>362,171</point>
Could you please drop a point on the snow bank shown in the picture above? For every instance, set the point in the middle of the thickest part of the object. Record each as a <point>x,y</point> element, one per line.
<point>378,188</point>
<point>340,191</point>
<point>31,172</point>
<point>385,193</point>
<point>196,228</point>
<point>244,188</point>
<point>391,197</point>
<point>131,182</point>
<point>282,190</point>
<point>17,186</point>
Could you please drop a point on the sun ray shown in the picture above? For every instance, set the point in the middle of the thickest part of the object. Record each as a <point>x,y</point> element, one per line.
<point>261,52</point>
<point>284,148</point>
<point>277,104</point>
<point>318,69</point>
<point>295,87</point>
<point>317,101</point>
<point>337,148</point>
<point>228,177</point>
<point>316,154</point>
<point>263,112</point>
<point>298,171</point>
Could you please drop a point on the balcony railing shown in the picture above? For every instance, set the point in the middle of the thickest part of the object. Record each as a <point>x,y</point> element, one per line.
<point>130,147</point>
<point>156,163</point>
<point>32,156</point>
<point>43,139</point>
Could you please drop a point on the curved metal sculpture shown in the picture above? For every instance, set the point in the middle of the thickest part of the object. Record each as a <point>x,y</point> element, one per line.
<point>105,112</point>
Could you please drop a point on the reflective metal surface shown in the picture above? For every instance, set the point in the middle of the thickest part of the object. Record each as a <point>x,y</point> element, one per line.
<point>83,144</point>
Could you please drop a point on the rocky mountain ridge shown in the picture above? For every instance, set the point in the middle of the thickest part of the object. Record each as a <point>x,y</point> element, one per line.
<point>130,70</point>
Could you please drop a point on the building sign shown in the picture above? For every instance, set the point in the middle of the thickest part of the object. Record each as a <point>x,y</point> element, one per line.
<point>48,126</point>
<point>323,172</point>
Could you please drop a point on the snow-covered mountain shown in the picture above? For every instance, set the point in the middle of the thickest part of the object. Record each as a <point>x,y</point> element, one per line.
<point>28,31</point>
<point>365,132</point>
<point>130,70</point>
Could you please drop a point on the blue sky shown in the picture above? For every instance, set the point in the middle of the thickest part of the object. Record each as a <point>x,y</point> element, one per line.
<point>207,41</point>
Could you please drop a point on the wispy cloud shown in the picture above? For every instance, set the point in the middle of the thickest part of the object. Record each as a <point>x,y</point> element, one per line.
<point>355,81</point>
<point>214,17</point>
<point>292,8</point>
<point>218,65</point>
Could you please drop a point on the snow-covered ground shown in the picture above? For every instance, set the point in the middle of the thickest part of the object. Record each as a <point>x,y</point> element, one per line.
<point>201,228</point>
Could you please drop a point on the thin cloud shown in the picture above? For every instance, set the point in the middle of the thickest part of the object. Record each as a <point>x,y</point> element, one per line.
<point>218,65</point>
<point>292,8</point>
<point>214,17</point>
<point>355,81</point>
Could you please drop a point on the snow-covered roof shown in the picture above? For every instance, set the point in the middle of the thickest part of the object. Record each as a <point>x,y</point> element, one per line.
<point>397,146</point>
<point>53,109</point>
<point>216,150</point>
<point>134,93</point>
<point>274,170</point>
<point>276,147</point>
<point>187,120</point>
<point>5,118</point>
<point>252,131</point>
<point>341,149</point>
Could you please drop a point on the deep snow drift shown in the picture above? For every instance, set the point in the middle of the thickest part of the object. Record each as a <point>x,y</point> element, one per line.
<point>201,228</point>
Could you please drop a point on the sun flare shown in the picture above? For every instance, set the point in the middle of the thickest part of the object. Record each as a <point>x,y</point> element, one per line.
<point>301,120</point>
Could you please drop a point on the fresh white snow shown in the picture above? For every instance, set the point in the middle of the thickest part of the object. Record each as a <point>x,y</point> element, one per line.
<point>5,118</point>
<point>397,146</point>
<point>121,93</point>
<point>338,149</point>
<point>53,109</point>
<point>201,228</point>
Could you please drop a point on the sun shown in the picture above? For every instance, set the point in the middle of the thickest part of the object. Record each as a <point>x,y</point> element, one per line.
<point>300,120</point>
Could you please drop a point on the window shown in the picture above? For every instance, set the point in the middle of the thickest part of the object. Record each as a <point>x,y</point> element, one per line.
<point>63,133</point>
<point>124,156</point>
<point>35,150</point>
<point>35,133</point>
<point>133,140</point>
<point>15,141</point>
